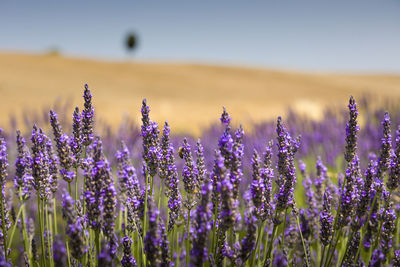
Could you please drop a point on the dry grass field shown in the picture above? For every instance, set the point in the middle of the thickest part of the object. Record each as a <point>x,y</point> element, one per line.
<point>189,95</point>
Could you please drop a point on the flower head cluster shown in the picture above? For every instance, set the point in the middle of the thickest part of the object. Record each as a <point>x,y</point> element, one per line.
<point>351,131</point>
<point>189,172</point>
<point>169,175</point>
<point>87,117</point>
<point>127,260</point>
<point>74,228</point>
<point>23,173</point>
<point>66,158</point>
<point>202,227</point>
<point>287,147</point>
<point>394,174</point>
<point>40,163</point>
<point>326,220</point>
<point>151,148</point>
<point>76,140</point>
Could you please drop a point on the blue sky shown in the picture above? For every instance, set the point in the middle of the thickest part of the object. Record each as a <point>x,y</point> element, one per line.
<point>359,35</point>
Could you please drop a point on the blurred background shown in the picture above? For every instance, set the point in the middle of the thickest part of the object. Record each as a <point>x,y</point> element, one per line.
<point>190,58</point>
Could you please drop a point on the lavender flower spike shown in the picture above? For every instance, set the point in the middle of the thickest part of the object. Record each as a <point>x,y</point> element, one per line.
<point>74,228</point>
<point>63,149</point>
<point>76,140</point>
<point>40,163</point>
<point>189,172</point>
<point>202,227</point>
<point>23,173</point>
<point>394,173</point>
<point>127,260</point>
<point>151,149</point>
<point>386,148</point>
<point>5,223</point>
<point>351,131</point>
<point>87,117</point>
<point>326,220</point>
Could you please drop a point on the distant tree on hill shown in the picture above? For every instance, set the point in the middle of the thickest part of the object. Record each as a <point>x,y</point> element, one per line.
<point>131,42</point>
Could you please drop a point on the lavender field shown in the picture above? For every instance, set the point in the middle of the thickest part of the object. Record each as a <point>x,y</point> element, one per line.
<point>293,191</point>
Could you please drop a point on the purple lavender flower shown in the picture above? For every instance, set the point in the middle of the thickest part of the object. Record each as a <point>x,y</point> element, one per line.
<point>76,140</point>
<point>352,249</point>
<point>365,193</point>
<point>167,152</point>
<point>229,211</point>
<point>326,220</point>
<point>127,260</point>
<point>319,180</point>
<point>351,131</point>
<point>74,228</point>
<point>236,172</point>
<point>189,172</point>
<point>96,172</point>
<point>5,223</point>
<point>257,188</point>
<point>225,118</point>
<point>388,229</point>
<point>23,173</point>
<point>267,174</point>
<point>386,148</point>
<point>40,163</point>
<point>152,238</point>
<point>217,175</point>
<point>87,117</point>
<point>200,164</point>
<point>396,260</point>
<point>164,244</point>
<point>109,208</point>
<point>127,178</point>
<point>349,196</point>
<point>65,156</point>
<point>53,170</point>
<point>287,147</point>
<point>202,227</point>
<point>394,174</point>
<point>248,242</point>
<point>378,258</point>
<point>151,149</point>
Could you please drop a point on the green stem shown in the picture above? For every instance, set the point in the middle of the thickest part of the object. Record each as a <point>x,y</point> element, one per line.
<point>69,189</point>
<point>55,216</point>
<point>84,187</point>
<point>3,222</point>
<point>213,246</point>
<point>258,242</point>
<point>68,254</point>
<point>24,232</point>
<point>145,206</point>
<point>329,259</point>
<point>76,183</point>
<point>41,226</point>
<point>347,248</point>
<point>160,196</point>
<point>272,239</point>
<point>284,227</point>
<point>188,239</point>
<point>323,254</point>
<point>302,241</point>
<point>49,245</point>
<point>97,241</point>
<point>14,226</point>
<point>335,223</point>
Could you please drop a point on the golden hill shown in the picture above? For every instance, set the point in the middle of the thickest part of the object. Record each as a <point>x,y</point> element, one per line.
<point>190,96</point>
